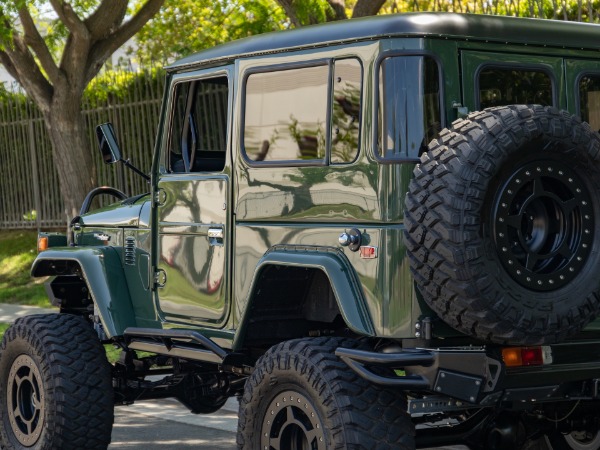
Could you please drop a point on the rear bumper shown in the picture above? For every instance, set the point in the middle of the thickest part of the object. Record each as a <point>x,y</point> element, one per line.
<point>478,375</point>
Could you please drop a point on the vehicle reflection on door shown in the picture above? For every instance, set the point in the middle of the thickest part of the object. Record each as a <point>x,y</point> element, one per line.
<point>193,261</point>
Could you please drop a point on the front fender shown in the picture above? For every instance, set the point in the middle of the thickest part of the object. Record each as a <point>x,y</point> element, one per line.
<point>101,269</point>
<point>344,282</point>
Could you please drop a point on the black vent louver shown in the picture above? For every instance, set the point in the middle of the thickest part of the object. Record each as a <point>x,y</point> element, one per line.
<point>130,251</point>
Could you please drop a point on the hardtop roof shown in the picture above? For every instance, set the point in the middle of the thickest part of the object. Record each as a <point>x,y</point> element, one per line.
<point>536,32</point>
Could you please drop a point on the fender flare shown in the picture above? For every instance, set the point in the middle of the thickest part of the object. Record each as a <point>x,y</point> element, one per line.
<point>333,262</point>
<point>102,271</point>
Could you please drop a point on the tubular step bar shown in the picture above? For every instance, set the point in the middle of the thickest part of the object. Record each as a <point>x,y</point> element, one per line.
<point>358,359</point>
<point>186,344</point>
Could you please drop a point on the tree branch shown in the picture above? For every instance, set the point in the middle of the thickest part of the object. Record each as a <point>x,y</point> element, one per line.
<point>71,20</point>
<point>34,40</point>
<point>102,49</point>
<point>290,11</point>
<point>8,65</point>
<point>339,8</point>
<point>23,67</point>
<point>367,8</point>
<point>107,17</point>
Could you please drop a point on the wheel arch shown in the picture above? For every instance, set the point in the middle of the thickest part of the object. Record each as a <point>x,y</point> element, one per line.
<point>101,270</point>
<point>331,263</point>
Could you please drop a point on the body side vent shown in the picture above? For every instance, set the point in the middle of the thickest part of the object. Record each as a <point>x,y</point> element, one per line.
<point>130,251</point>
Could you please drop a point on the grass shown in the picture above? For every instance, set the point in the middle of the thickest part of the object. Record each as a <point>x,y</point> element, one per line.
<point>17,252</point>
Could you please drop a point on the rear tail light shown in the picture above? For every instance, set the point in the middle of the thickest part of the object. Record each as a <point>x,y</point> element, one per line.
<point>527,356</point>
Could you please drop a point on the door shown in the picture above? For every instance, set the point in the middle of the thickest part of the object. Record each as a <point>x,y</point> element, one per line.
<point>583,98</point>
<point>193,203</point>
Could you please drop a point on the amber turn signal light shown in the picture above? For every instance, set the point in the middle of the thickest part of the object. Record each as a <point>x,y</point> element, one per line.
<point>42,244</point>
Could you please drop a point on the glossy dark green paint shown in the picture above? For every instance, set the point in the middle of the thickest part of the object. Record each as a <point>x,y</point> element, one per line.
<point>195,267</point>
<point>101,269</point>
<point>140,278</point>
<point>333,262</point>
<point>54,239</point>
<point>121,214</point>
<point>264,209</point>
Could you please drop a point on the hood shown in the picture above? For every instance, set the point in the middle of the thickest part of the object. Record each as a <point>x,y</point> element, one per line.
<point>131,212</point>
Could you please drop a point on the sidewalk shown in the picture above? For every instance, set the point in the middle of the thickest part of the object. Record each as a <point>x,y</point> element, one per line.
<point>10,313</point>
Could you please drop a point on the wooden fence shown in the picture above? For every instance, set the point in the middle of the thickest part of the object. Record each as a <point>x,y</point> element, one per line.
<point>29,191</point>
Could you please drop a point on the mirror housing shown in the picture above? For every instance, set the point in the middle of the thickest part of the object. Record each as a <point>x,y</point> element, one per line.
<point>111,153</point>
<point>107,141</point>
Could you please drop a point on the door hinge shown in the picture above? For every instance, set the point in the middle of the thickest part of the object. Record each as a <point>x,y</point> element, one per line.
<point>160,197</point>
<point>160,278</point>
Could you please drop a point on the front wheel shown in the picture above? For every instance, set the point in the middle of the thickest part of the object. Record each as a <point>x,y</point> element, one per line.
<point>56,386</point>
<point>301,396</point>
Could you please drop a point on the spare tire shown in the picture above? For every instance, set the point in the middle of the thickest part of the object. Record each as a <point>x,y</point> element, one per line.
<point>502,224</point>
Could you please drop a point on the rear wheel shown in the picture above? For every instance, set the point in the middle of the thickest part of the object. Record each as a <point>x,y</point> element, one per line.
<point>576,440</point>
<point>57,385</point>
<point>301,396</point>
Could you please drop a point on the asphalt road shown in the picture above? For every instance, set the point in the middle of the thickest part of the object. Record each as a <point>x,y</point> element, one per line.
<point>164,424</point>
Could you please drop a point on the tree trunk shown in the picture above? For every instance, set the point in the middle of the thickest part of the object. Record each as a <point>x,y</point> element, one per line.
<point>72,157</point>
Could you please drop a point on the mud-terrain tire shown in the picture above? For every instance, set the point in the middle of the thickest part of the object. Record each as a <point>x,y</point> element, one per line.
<point>55,385</point>
<point>301,395</point>
<point>503,225</point>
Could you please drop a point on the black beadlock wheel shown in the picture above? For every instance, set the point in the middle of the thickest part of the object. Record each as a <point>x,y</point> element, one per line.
<point>26,400</point>
<point>502,221</point>
<point>301,396</point>
<point>57,385</point>
<point>292,422</point>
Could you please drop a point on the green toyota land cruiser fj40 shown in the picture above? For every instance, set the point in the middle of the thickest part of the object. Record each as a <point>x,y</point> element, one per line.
<point>378,233</point>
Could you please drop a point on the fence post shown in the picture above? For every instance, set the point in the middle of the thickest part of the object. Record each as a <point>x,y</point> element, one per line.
<point>35,174</point>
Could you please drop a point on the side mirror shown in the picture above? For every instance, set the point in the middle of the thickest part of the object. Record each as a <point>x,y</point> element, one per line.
<point>111,153</point>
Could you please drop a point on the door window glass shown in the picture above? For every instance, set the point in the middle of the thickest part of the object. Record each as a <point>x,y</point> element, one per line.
<point>198,139</point>
<point>499,86</point>
<point>589,100</point>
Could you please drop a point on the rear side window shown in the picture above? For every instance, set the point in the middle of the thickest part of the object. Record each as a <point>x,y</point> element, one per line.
<point>304,115</point>
<point>286,114</point>
<point>347,82</point>
<point>589,100</point>
<point>499,86</point>
<point>409,112</point>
